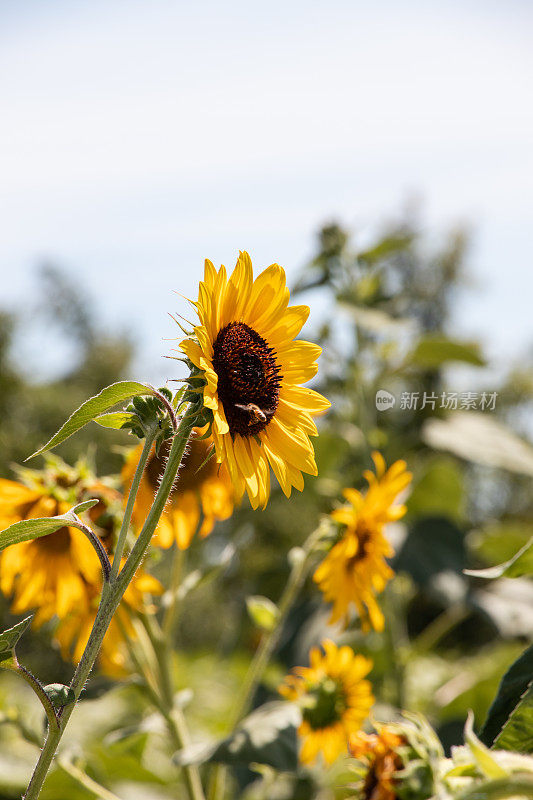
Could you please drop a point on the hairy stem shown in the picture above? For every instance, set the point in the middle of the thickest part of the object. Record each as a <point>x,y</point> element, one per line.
<point>121,541</point>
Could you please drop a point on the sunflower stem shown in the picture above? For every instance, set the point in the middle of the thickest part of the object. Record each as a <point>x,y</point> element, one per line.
<point>171,612</point>
<point>37,687</point>
<point>99,548</point>
<point>171,713</point>
<point>121,541</point>
<point>264,652</point>
<point>112,594</point>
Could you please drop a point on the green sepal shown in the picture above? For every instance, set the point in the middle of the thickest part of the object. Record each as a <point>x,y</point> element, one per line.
<point>9,638</point>
<point>60,695</point>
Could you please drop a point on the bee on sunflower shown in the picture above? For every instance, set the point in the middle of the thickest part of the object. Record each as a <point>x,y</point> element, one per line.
<point>355,569</point>
<point>335,699</point>
<point>203,488</point>
<point>252,368</point>
<point>54,573</point>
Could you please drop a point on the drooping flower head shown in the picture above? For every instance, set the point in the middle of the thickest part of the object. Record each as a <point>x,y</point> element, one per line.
<point>244,347</point>
<point>53,574</point>
<point>380,761</point>
<point>203,488</point>
<point>355,569</point>
<point>335,699</point>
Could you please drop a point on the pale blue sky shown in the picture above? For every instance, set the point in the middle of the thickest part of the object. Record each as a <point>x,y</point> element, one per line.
<point>139,137</point>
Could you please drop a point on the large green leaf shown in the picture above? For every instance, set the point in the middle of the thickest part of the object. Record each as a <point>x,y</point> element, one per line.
<point>266,736</point>
<point>512,687</point>
<point>100,403</point>
<point>517,566</point>
<point>28,529</point>
<point>432,351</point>
<point>478,437</point>
<point>517,733</point>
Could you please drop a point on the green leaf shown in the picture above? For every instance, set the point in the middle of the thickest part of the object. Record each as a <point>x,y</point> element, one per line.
<point>28,529</point>
<point>116,419</point>
<point>517,733</point>
<point>94,407</point>
<point>263,612</point>
<point>512,687</point>
<point>479,438</point>
<point>432,351</point>
<point>59,694</point>
<point>266,736</point>
<point>517,566</point>
<point>514,787</point>
<point>9,638</point>
<point>485,760</point>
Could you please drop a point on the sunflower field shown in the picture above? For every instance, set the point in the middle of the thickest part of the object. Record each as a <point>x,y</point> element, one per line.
<point>300,569</point>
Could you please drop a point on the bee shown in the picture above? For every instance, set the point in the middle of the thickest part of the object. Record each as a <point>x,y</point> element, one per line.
<point>257,414</point>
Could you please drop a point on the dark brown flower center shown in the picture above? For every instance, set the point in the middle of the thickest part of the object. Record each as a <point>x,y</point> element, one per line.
<point>364,537</point>
<point>248,378</point>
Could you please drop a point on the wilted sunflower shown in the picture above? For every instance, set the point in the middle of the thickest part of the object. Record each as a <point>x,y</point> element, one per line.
<point>244,348</point>
<point>54,573</point>
<point>203,487</point>
<point>380,761</point>
<point>73,632</point>
<point>355,570</point>
<point>334,697</point>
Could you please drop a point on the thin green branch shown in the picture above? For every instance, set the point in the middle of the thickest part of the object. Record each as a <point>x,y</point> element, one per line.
<point>84,780</point>
<point>13,666</point>
<point>126,520</point>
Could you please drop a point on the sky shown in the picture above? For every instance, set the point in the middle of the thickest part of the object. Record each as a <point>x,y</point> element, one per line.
<point>138,138</point>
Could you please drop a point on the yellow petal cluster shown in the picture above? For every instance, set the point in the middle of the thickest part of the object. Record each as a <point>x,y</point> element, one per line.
<point>262,305</point>
<point>378,753</point>
<point>355,570</point>
<point>335,698</point>
<point>59,576</point>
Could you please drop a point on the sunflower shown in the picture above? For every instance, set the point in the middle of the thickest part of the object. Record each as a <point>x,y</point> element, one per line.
<point>355,570</point>
<point>378,755</point>
<point>244,348</point>
<point>73,631</point>
<point>54,573</point>
<point>335,699</point>
<point>203,487</point>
